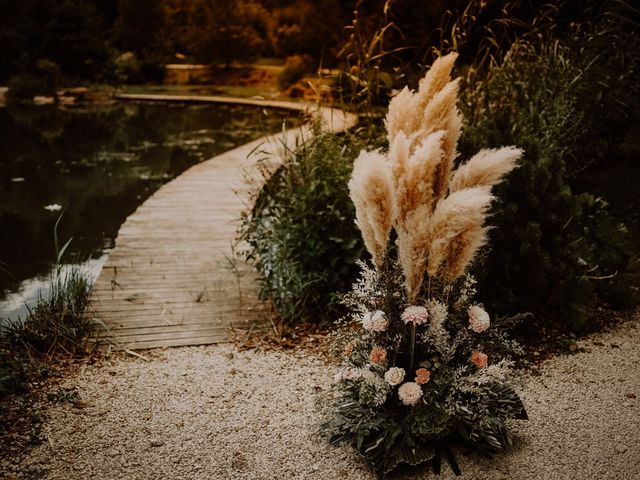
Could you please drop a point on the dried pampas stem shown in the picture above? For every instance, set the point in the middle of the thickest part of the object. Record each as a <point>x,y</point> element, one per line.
<point>485,168</point>
<point>371,191</point>
<point>453,220</point>
<point>438,213</point>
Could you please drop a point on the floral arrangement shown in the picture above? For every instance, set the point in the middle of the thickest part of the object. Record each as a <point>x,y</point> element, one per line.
<point>425,364</point>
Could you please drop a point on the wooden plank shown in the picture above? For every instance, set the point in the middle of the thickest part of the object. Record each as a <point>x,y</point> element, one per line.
<point>178,316</point>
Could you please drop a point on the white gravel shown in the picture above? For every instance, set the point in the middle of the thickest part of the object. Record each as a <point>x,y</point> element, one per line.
<point>216,413</point>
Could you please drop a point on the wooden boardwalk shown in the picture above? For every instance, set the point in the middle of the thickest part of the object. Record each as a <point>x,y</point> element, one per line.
<point>173,277</point>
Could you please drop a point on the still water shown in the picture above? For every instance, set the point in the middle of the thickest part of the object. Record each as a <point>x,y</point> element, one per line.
<point>94,167</point>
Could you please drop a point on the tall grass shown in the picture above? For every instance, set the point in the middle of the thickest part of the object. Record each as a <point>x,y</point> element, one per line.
<point>301,233</point>
<point>57,324</point>
<point>370,71</point>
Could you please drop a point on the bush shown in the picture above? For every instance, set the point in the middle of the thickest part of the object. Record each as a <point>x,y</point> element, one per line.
<point>127,68</point>
<point>43,81</point>
<point>295,67</point>
<point>301,231</point>
<point>553,249</point>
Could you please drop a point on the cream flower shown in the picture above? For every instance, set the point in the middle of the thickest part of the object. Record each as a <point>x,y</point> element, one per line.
<point>479,359</point>
<point>347,374</point>
<point>375,321</point>
<point>410,393</point>
<point>368,376</point>
<point>438,311</point>
<point>478,319</point>
<point>394,376</point>
<point>415,315</point>
<point>378,355</point>
<point>422,376</point>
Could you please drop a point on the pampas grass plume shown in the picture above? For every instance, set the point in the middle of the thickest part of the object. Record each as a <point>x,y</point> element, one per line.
<point>370,188</point>
<point>438,213</point>
<point>413,174</point>
<point>456,221</point>
<point>485,168</point>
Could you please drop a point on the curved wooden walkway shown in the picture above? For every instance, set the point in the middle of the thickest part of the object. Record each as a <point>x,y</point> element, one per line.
<point>173,277</point>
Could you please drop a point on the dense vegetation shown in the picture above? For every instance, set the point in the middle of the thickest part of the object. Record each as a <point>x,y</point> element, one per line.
<point>50,42</point>
<point>560,83</point>
<point>301,230</point>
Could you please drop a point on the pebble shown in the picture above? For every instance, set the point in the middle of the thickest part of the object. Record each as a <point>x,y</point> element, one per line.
<point>621,448</point>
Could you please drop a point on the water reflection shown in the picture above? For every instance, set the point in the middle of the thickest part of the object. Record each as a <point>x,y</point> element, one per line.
<point>97,166</point>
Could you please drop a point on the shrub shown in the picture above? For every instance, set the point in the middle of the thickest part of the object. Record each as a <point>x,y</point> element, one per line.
<point>301,231</point>
<point>127,68</point>
<point>44,80</point>
<point>553,249</point>
<point>295,67</point>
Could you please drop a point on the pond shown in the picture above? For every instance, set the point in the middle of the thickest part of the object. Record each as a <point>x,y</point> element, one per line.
<point>91,168</point>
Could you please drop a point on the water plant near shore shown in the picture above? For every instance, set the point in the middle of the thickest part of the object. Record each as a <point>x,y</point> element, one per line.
<point>58,325</point>
<point>423,363</point>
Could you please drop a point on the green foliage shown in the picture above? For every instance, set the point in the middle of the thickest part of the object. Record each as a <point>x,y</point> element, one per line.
<point>57,323</point>
<point>457,400</point>
<point>222,32</point>
<point>554,249</point>
<point>140,27</point>
<point>301,231</point>
<point>64,395</point>
<point>68,33</point>
<point>127,69</point>
<point>300,27</point>
<point>44,80</point>
<point>481,410</point>
<point>14,372</point>
<point>295,68</point>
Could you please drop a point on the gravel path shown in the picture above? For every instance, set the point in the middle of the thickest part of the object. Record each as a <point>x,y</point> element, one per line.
<point>215,413</point>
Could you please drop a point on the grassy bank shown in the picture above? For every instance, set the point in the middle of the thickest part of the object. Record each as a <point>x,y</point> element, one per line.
<point>31,351</point>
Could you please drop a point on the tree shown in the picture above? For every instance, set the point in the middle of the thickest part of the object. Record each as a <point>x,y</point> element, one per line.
<point>222,31</point>
<point>140,28</point>
<point>309,28</point>
<point>68,33</point>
